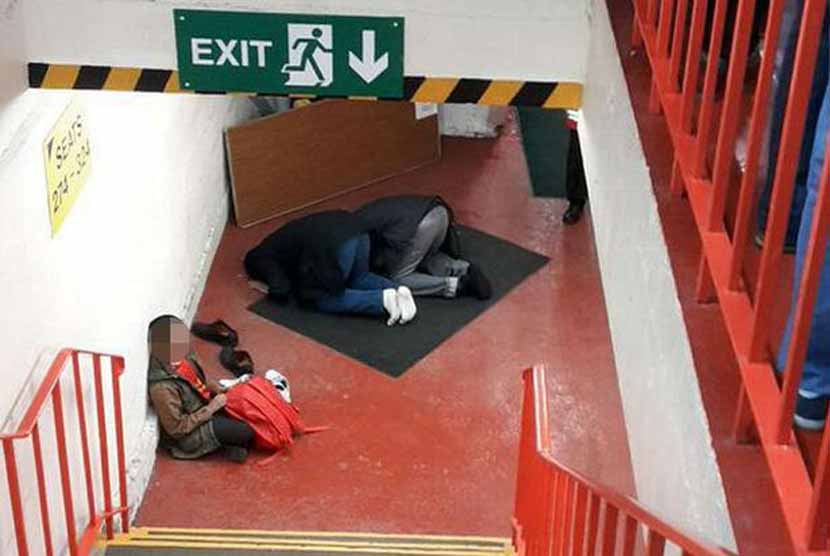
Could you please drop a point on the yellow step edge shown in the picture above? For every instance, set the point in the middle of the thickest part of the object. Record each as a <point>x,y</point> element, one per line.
<point>477,548</point>
<point>149,543</point>
<point>145,531</point>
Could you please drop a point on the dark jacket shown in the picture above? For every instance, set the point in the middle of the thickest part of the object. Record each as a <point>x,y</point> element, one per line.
<point>301,256</point>
<point>393,221</point>
<point>186,429</point>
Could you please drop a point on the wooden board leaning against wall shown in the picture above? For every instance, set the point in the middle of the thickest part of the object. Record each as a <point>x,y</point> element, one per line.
<point>295,159</point>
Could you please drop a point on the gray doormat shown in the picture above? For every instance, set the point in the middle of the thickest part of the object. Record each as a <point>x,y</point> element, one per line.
<point>393,350</point>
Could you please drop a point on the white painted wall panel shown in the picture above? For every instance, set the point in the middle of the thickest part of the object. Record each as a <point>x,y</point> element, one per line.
<point>675,470</point>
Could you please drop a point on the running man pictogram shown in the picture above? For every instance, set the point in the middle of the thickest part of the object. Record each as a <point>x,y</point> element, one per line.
<point>310,55</point>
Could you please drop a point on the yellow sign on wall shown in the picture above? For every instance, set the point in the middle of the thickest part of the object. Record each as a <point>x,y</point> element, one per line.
<point>67,155</point>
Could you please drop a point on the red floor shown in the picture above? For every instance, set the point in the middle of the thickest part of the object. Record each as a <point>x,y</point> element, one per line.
<point>433,451</point>
<point>753,503</point>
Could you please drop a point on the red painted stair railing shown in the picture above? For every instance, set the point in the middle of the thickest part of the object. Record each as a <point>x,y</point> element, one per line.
<point>561,512</point>
<point>66,379</point>
<point>704,125</point>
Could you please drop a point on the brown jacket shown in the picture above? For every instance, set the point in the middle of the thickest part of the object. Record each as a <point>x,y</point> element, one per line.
<point>185,419</point>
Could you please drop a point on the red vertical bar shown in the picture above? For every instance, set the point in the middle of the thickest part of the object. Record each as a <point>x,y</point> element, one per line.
<point>744,427</point>
<point>629,536</point>
<point>102,432</point>
<point>790,147</point>
<point>567,518</point>
<point>693,55</point>
<point>551,507</point>
<point>580,519</point>
<point>664,28</point>
<point>747,197</point>
<point>731,115</point>
<point>609,530</point>
<point>678,40</point>
<point>41,491</point>
<point>593,525</point>
<point>707,109</point>
<point>803,320</point>
<point>655,543</point>
<point>79,397</point>
<point>117,371</point>
<point>14,495</point>
<point>556,517</point>
<point>678,186</point>
<point>817,526</point>
<point>651,12</point>
<point>63,461</point>
<point>654,105</point>
<point>705,289</point>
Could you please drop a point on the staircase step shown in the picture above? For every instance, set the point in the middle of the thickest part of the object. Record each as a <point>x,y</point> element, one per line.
<point>206,542</point>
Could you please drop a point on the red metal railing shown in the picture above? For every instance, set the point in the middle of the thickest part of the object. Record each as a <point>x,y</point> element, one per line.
<point>50,395</point>
<point>560,512</point>
<point>704,127</point>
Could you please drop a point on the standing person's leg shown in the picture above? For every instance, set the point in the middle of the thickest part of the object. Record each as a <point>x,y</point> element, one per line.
<point>782,76</point>
<point>575,186</point>
<point>811,410</point>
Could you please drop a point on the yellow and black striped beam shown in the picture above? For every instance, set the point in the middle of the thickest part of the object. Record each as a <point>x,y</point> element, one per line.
<point>416,88</point>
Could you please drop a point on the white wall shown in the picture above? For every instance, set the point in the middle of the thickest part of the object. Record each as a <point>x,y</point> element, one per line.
<point>542,40</point>
<point>675,469</point>
<point>137,243</point>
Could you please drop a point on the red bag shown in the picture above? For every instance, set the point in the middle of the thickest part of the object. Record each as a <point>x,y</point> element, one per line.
<point>275,421</point>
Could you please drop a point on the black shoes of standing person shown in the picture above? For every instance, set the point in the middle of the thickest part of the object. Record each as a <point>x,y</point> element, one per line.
<point>475,283</point>
<point>573,213</point>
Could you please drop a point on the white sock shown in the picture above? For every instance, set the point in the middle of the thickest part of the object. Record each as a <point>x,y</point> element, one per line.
<point>391,304</point>
<point>406,301</point>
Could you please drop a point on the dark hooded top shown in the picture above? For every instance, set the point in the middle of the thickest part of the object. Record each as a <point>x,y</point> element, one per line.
<point>393,221</point>
<point>301,256</point>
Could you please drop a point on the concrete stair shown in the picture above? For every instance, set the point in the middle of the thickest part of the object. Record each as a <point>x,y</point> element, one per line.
<point>217,542</point>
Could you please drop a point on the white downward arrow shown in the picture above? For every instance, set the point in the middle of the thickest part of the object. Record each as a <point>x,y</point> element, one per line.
<point>367,67</point>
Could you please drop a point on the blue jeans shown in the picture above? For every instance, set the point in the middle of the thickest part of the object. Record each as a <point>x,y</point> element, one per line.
<point>364,289</point>
<point>816,378</point>
<point>784,62</point>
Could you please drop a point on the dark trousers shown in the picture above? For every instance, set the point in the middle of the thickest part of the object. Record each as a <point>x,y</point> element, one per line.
<point>576,189</point>
<point>232,432</point>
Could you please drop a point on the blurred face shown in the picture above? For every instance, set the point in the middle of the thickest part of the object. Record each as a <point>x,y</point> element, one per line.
<point>171,341</point>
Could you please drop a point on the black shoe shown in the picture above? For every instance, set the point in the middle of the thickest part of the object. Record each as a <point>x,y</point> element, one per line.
<point>573,213</point>
<point>218,332</point>
<point>452,243</point>
<point>236,454</point>
<point>236,361</point>
<point>475,283</point>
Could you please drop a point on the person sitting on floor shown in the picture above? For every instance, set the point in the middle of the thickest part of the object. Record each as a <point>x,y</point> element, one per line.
<point>415,244</point>
<point>323,259</point>
<point>188,405</point>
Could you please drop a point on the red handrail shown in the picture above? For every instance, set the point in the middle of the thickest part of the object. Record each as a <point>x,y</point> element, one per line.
<point>558,510</point>
<point>29,429</point>
<point>765,409</point>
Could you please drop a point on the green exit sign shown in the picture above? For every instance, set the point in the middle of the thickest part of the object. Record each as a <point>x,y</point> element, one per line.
<point>290,53</point>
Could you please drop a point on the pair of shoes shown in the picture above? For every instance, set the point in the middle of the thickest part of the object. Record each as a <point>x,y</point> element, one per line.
<point>810,413</point>
<point>236,454</point>
<point>573,213</point>
<point>475,283</point>
<point>236,361</point>
<point>400,305</point>
<point>789,248</point>
<point>218,332</point>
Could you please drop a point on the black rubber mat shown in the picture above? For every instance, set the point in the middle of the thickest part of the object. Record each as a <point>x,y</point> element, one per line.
<point>545,138</point>
<point>393,350</point>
